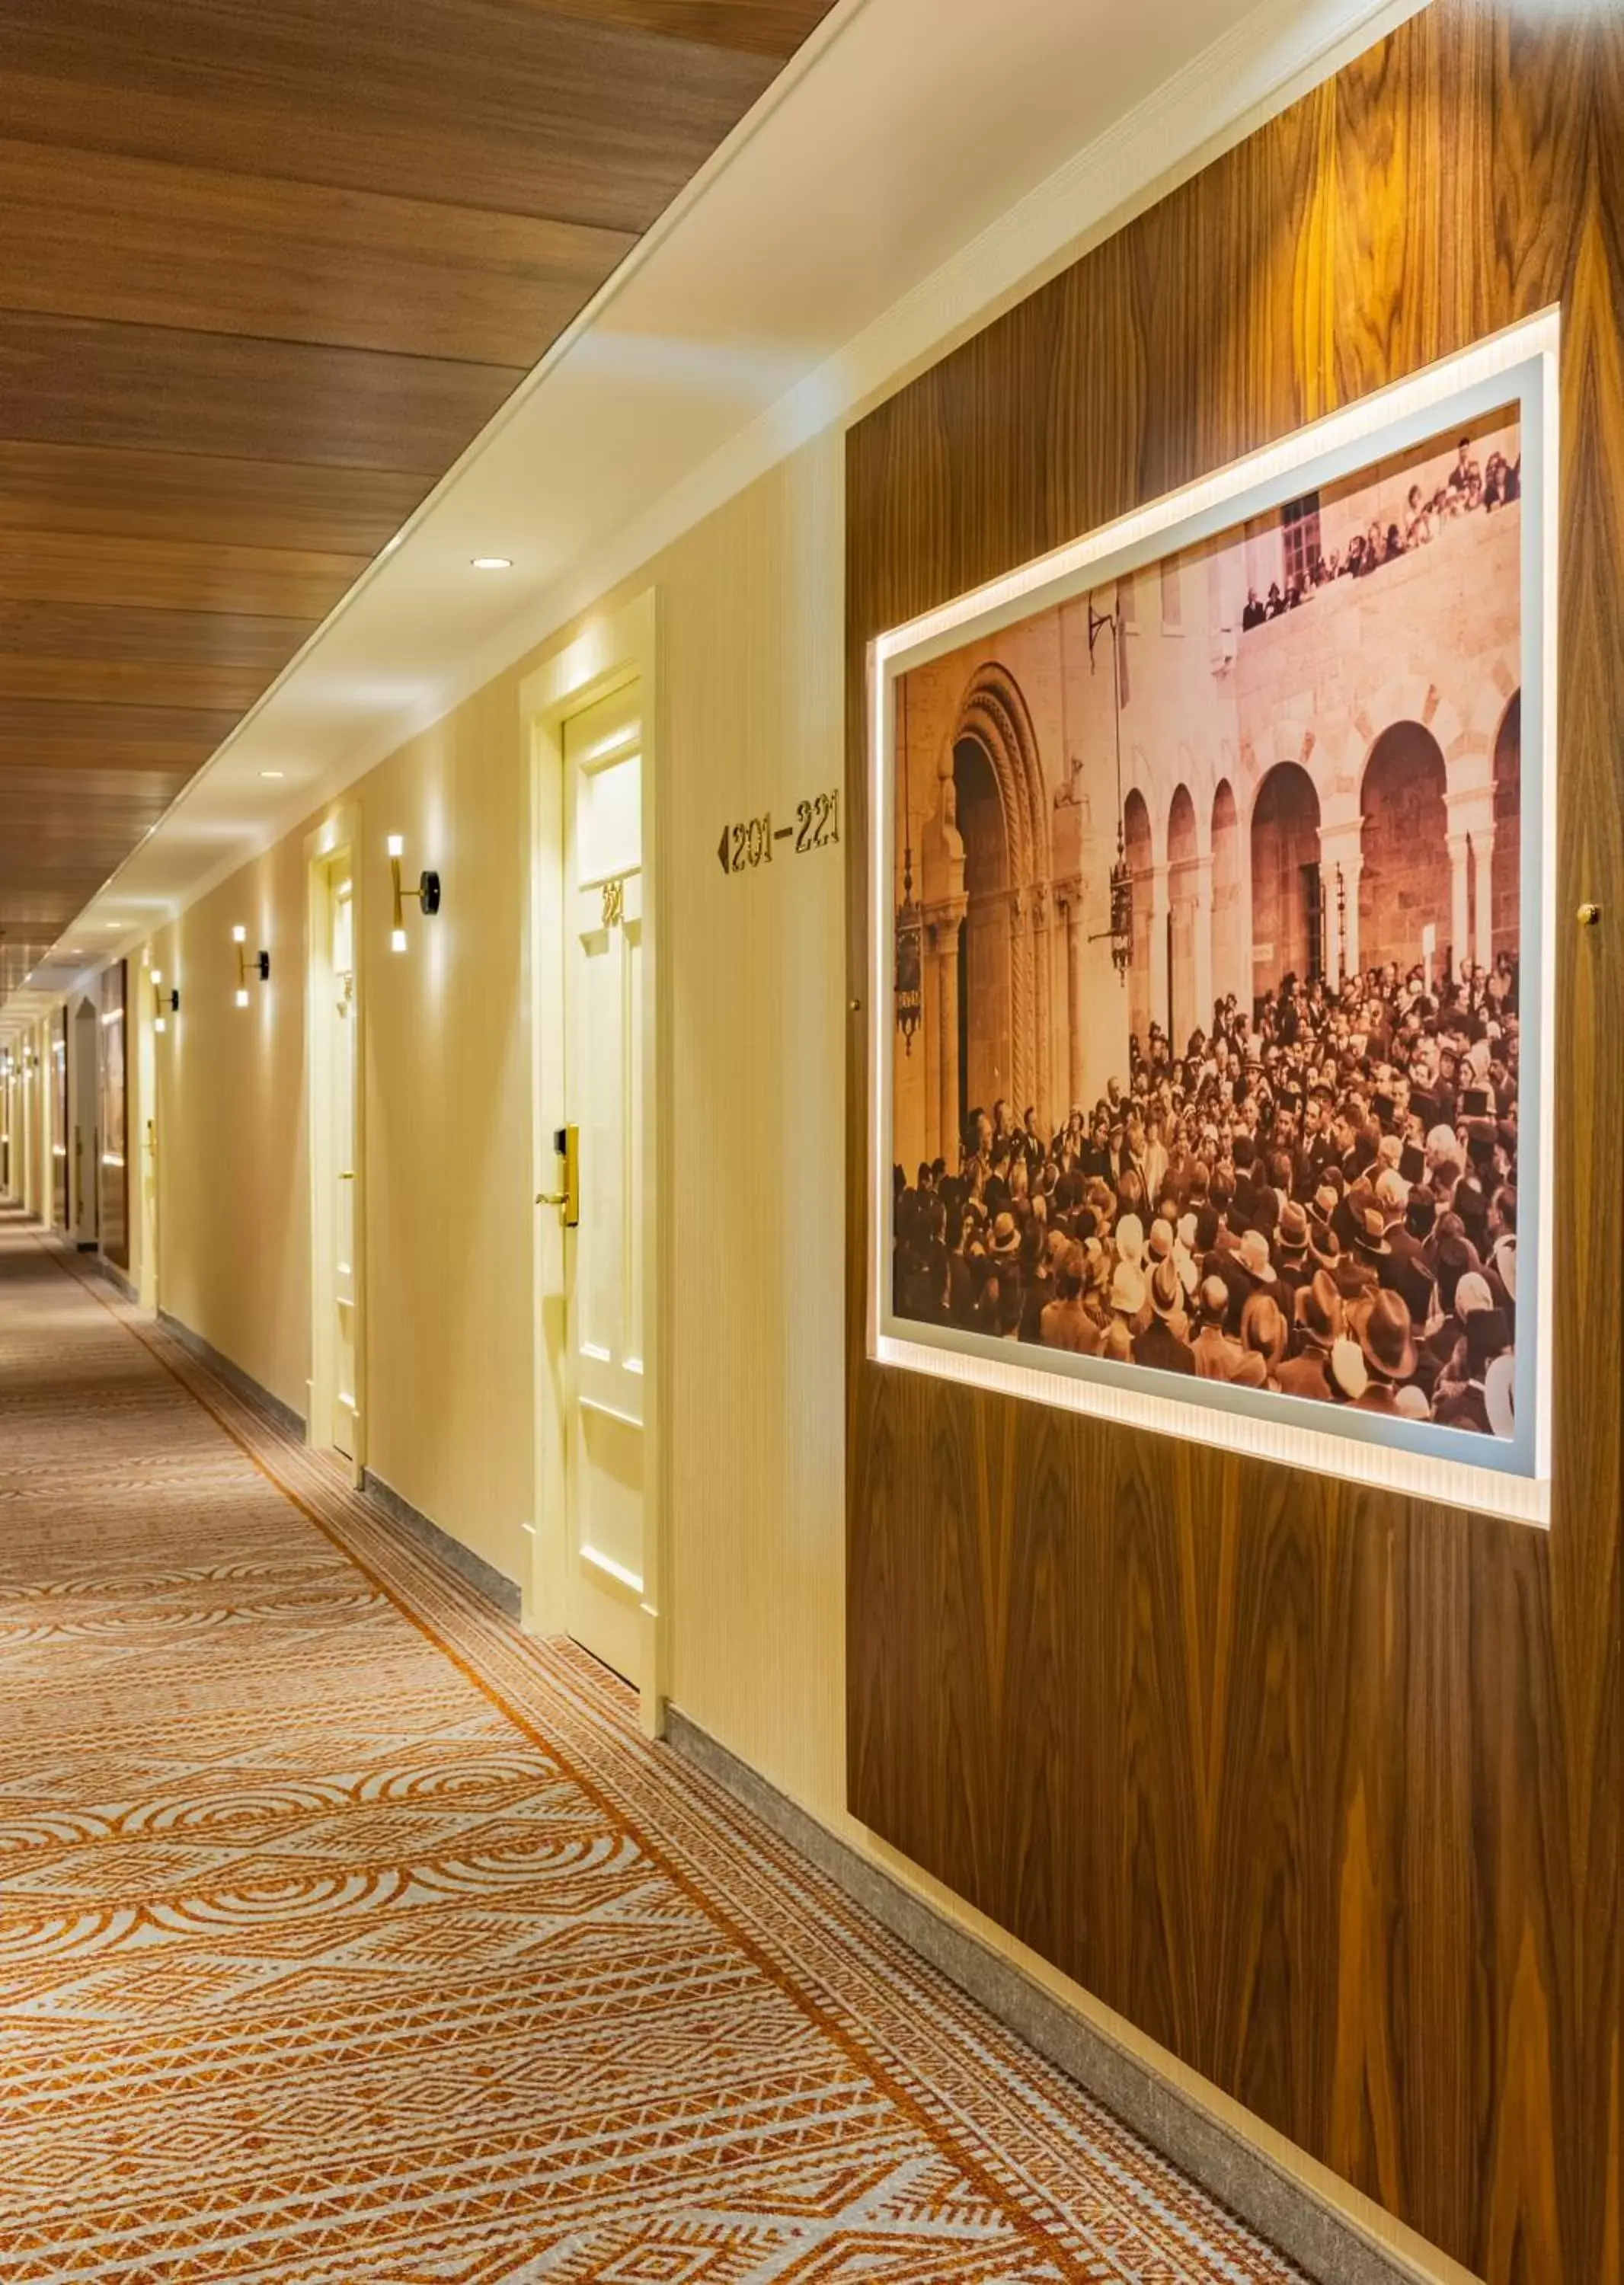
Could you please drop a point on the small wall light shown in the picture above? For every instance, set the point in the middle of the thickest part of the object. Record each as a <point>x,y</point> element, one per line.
<point>426,892</point>
<point>164,1003</point>
<point>260,965</point>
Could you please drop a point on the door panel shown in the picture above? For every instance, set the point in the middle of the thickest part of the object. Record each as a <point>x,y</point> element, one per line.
<point>342,1159</point>
<point>603,1255</point>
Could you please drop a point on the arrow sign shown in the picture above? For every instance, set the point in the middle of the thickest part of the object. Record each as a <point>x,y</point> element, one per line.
<point>721,847</point>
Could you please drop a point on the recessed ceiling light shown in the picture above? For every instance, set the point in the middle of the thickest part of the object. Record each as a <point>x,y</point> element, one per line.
<point>492,562</point>
<point>273,773</point>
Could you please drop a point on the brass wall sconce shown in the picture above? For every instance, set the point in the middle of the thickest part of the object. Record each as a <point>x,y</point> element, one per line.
<point>426,892</point>
<point>165,1004</point>
<point>259,965</point>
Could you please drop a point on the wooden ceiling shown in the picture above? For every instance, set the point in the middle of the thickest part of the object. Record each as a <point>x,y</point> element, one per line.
<point>268,266</point>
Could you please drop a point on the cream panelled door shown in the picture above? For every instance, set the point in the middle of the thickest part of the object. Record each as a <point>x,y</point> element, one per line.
<point>603,1086</point>
<point>342,1159</point>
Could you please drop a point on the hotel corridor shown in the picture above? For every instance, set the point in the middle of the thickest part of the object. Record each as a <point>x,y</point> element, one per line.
<point>347,1935</point>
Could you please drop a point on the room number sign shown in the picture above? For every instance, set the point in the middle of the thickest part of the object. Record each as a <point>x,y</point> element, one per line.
<point>750,843</point>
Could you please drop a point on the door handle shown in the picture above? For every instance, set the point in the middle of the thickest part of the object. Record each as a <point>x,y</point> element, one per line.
<point>566,1146</point>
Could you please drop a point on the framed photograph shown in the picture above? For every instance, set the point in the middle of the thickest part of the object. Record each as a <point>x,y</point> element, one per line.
<point>1210,927</point>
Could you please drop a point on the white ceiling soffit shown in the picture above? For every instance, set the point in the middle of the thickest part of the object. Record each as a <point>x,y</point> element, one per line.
<point>919,163</point>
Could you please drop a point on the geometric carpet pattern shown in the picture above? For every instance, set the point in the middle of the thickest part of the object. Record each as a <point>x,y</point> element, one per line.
<point>348,1937</point>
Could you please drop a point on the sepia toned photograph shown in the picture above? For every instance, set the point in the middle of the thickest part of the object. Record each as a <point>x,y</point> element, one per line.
<point>1208,951</point>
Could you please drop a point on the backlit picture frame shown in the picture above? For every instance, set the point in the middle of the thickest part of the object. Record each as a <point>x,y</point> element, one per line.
<point>1209,916</point>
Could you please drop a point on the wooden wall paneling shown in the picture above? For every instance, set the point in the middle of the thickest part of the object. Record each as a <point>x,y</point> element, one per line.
<point>1320,1787</point>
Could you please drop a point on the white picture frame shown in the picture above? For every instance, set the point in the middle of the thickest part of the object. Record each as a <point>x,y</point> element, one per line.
<point>1503,1474</point>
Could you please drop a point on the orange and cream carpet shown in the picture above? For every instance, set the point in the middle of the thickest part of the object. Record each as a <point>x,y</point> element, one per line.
<point>350,1937</point>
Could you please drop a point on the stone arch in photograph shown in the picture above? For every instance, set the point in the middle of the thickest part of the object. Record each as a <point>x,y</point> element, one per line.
<point>1505,886</point>
<point>985,1064</point>
<point>1002,821</point>
<point>1139,849</point>
<point>1231,963</point>
<point>1405,875</point>
<point>1184,919</point>
<point>1285,871</point>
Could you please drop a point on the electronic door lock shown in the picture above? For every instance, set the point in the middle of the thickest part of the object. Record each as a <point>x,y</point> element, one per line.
<point>567,1145</point>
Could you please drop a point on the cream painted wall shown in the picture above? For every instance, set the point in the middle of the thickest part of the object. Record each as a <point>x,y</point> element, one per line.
<point>752,695</point>
<point>234,1204</point>
<point>445,1108</point>
<point>446,1156</point>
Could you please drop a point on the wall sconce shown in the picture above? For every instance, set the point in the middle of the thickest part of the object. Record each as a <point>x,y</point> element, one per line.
<point>260,965</point>
<point>426,892</point>
<point>165,1004</point>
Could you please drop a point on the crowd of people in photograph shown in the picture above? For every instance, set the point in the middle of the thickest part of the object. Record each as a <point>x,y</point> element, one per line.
<point>1467,486</point>
<point>1317,1197</point>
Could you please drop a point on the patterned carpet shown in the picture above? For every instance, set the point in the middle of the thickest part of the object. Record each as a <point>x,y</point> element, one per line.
<point>348,1937</point>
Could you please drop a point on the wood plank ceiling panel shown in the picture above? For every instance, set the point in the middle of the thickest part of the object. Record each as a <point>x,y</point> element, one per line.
<point>192,495</point>
<point>270,266</point>
<point>297,261</point>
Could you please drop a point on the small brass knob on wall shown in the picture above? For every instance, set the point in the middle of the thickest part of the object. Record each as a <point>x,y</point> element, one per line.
<point>1589,916</point>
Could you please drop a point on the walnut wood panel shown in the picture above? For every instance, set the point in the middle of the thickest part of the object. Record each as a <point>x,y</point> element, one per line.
<point>188,496</point>
<point>67,631</point>
<point>299,261</point>
<point>130,682</point>
<point>75,735</point>
<point>767,27</point>
<point>57,837</point>
<point>1318,1786</point>
<point>146,388</point>
<point>172,574</point>
<point>475,104</point>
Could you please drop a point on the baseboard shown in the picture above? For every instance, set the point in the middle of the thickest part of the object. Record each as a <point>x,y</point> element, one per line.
<point>233,1375</point>
<point>84,1255</point>
<point>114,1276</point>
<point>1316,2235</point>
<point>471,1569</point>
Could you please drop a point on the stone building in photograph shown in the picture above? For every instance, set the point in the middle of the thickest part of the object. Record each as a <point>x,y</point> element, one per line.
<point>1324,790</point>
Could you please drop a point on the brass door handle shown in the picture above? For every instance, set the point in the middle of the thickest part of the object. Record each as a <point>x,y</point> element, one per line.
<point>566,1144</point>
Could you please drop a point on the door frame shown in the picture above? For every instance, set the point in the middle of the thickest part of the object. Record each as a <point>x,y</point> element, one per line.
<point>620,647</point>
<point>148,1143</point>
<point>84,1096</point>
<point>337,840</point>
